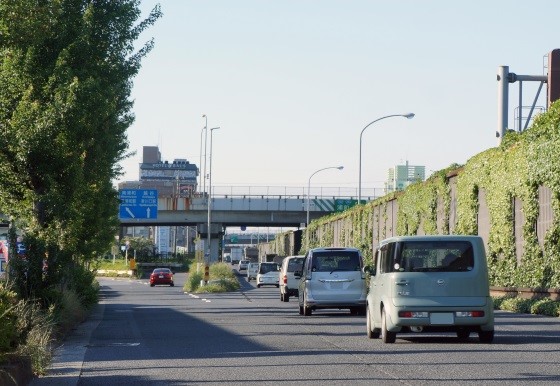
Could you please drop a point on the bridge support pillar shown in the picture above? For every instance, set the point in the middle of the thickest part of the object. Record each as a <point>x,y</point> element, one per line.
<point>216,233</point>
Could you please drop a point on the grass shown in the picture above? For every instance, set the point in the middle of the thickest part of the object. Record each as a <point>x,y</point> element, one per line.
<point>221,279</point>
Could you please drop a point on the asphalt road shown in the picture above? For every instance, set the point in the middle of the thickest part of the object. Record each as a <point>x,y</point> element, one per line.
<point>161,336</point>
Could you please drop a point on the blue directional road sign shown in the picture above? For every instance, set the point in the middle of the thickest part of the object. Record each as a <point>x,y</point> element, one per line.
<point>138,203</point>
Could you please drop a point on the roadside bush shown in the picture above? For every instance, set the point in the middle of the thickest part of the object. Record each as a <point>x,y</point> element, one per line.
<point>519,305</point>
<point>193,282</point>
<point>223,285</point>
<point>8,316</point>
<point>221,271</point>
<point>546,307</point>
<point>36,330</point>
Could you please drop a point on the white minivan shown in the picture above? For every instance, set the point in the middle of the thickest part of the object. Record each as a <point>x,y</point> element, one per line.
<point>430,283</point>
<point>287,279</point>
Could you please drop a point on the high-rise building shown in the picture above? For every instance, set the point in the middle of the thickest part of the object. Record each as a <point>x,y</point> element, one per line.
<point>401,176</point>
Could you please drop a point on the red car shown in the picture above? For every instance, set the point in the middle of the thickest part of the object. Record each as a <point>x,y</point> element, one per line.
<point>161,276</point>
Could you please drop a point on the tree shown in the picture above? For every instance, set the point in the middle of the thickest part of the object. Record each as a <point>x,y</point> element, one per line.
<point>66,70</point>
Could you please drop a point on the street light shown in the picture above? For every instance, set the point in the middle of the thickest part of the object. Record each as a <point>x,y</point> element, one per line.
<point>210,194</point>
<point>205,129</point>
<point>408,116</point>
<point>309,186</point>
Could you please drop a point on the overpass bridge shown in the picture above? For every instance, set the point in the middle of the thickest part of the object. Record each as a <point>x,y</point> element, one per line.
<point>264,207</point>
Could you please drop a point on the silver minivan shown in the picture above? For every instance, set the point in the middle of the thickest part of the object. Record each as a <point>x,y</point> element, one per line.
<point>332,278</point>
<point>430,283</point>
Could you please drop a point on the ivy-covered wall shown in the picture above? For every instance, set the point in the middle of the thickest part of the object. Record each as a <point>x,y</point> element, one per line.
<point>512,172</point>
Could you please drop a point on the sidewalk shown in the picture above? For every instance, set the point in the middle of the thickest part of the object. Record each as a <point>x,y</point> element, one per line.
<point>68,358</point>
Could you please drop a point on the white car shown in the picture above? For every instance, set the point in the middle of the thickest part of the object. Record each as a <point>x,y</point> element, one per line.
<point>268,274</point>
<point>243,265</point>
<point>252,271</point>
<point>288,282</point>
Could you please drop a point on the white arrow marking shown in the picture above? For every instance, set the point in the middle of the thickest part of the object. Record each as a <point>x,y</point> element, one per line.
<point>129,211</point>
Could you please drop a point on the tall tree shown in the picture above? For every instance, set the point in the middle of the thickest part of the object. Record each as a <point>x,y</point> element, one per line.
<point>66,70</point>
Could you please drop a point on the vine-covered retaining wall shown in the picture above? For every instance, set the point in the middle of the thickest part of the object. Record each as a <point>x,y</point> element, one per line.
<point>509,195</point>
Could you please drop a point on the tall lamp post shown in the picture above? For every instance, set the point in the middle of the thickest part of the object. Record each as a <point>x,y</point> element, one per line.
<point>408,116</point>
<point>309,186</point>
<point>205,129</point>
<point>210,194</point>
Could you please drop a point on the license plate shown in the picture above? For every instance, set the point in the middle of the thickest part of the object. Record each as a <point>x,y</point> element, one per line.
<point>161,276</point>
<point>335,285</point>
<point>441,318</point>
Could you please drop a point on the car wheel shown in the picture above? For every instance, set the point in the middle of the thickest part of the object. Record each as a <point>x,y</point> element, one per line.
<point>172,284</point>
<point>306,310</point>
<point>152,285</point>
<point>386,336</point>
<point>258,286</point>
<point>463,334</point>
<point>486,336</point>
<point>372,333</point>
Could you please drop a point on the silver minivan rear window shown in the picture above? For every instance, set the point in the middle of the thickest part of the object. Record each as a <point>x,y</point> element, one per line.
<point>329,261</point>
<point>429,256</point>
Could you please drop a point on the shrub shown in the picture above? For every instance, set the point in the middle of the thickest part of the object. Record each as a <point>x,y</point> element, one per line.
<point>8,316</point>
<point>221,271</point>
<point>519,305</point>
<point>546,307</point>
<point>193,282</point>
<point>36,328</point>
<point>223,285</point>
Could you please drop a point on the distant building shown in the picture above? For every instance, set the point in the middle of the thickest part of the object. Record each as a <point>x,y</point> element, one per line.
<point>401,176</point>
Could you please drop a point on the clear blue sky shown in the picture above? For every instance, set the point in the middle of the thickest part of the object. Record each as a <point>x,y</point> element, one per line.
<point>292,83</point>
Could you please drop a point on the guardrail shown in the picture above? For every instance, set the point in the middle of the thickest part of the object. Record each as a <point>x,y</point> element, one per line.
<point>293,192</point>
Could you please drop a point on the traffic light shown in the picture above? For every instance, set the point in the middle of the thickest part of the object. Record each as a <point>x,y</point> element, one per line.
<point>206,272</point>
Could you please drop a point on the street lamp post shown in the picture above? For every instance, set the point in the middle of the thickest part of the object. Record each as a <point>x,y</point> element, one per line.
<point>205,147</point>
<point>210,195</point>
<point>309,186</point>
<point>408,116</point>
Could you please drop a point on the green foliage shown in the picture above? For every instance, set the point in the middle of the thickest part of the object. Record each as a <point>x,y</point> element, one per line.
<point>508,175</point>
<point>193,282</point>
<point>221,271</point>
<point>546,307</point>
<point>221,279</point>
<point>8,327</point>
<point>519,305</point>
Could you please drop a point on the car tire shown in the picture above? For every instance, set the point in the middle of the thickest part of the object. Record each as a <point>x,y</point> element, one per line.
<point>258,286</point>
<point>306,310</point>
<point>386,336</point>
<point>152,285</point>
<point>372,333</point>
<point>486,336</point>
<point>172,285</point>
